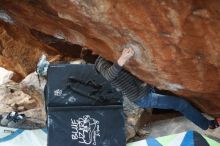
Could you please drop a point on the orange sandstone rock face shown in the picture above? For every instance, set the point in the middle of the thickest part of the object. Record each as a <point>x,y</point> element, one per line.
<point>177,43</point>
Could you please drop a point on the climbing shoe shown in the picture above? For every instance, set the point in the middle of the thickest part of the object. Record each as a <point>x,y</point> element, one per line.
<point>214,123</point>
<point>6,118</point>
<point>17,121</point>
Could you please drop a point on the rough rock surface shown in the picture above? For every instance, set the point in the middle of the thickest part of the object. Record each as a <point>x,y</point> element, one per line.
<point>23,100</point>
<point>176,42</point>
<point>132,116</point>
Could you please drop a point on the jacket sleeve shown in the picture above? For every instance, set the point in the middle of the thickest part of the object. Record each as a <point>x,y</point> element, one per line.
<point>108,70</point>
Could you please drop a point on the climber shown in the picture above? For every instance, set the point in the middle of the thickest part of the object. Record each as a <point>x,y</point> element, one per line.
<point>144,95</point>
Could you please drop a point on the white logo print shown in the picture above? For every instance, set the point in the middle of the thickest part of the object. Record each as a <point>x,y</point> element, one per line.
<point>58,92</point>
<point>85,130</point>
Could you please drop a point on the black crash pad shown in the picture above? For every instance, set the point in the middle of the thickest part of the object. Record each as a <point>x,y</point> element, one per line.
<point>79,85</point>
<point>83,108</point>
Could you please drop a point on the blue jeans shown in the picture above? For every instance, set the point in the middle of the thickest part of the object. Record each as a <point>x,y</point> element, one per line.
<point>154,100</point>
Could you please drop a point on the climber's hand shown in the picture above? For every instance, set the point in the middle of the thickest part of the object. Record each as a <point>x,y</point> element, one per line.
<point>126,55</point>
